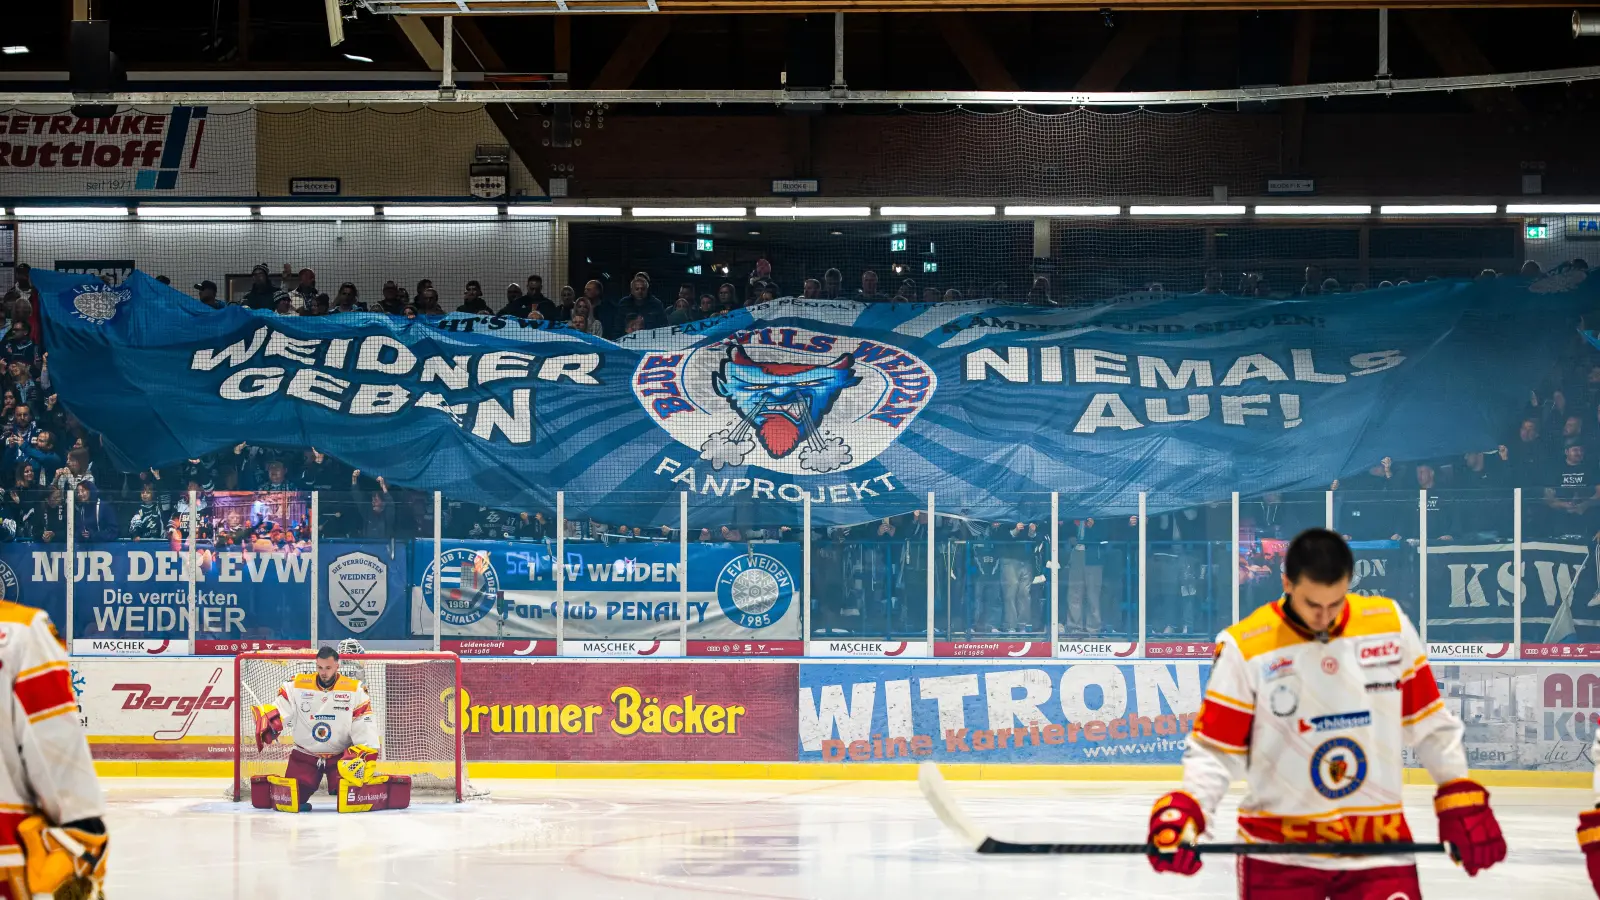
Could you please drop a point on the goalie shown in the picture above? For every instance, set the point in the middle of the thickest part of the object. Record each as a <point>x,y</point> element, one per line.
<point>329,719</point>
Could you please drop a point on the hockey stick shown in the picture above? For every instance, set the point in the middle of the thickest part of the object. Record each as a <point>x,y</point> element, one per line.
<point>944,806</point>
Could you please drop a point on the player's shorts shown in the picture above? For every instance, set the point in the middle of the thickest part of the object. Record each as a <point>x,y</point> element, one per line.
<point>1261,880</point>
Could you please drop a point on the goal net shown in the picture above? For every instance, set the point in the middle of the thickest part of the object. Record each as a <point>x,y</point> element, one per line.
<point>413,700</point>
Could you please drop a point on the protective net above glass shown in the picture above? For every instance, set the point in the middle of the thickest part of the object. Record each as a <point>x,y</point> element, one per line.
<point>413,699</point>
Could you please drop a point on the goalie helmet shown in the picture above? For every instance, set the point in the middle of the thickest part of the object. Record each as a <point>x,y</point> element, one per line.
<point>350,645</point>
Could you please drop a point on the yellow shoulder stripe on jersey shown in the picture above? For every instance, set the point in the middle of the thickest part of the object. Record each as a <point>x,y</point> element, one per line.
<point>1423,713</point>
<point>346,683</point>
<point>1370,615</point>
<point>1217,745</point>
<point>304,680</point>
<point>16,612</point>
<point>1263,631</point>
<point>1241,705</point>
<point>52,712</point>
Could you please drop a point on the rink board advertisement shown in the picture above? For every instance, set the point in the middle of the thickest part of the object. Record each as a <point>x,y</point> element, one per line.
<point>148,151</point>
<point>624,591</point>
<point>132,598</point>
<point>1083,713</point>
<point>595,712</point>
<point>171,709</point>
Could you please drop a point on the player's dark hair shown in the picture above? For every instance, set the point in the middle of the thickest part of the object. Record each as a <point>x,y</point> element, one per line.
<point>1319,555</point>
<point>328,653</point>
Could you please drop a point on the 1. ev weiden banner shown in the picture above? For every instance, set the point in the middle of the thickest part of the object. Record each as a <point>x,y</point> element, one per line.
<point>863,408</point>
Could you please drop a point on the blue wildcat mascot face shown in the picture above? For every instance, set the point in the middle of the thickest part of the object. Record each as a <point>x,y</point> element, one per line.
<point>782,402</point>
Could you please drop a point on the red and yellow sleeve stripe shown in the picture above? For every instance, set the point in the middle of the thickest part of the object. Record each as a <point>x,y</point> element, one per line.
<point>1419,695</point>
<point>1224,723</point>
<point>364,709</point>
<point>45,691</point>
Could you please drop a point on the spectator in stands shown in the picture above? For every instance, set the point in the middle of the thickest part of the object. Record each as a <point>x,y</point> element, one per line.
<point>1085,574</point>
<point>94,517</point>
<point>19,305</point>
<point>262,295</point>
<point>76,471</point>
<point>1527,455</point>
<point>602,309</point>
<point>283,306</point>
<point>428,302</point>
<point>643,303</point>
<point>707,307</point>
<point>19,345</point>
<point>422,285</point>
<point>1571,493</point>
<point>1213,282</point>
<point>565,300</point>
<point>952,295</point>
<point>1530,269</point>
<point>52,516</point>
<point>681,313</point>
<point>685,292</point>
<point>393,301</point>
<point>584,320</point>
<point>348,300</point>
<point>869,288</point>
<point>517,302</point>
<point>472,299</point>
<point>634,322</point>
<point>303,286</point>
<point>19,431</point>
<point>319,306</point>
<point>727,297</point>
<point>1039,293</point>
<point>537,299</point>
<point>1313,283</point>
<point>377,512</point>
<point>1330,286</point>
<point>41,452</point>
<point>831,284</point>
<point>206,292</point>
<point>930,294</point>
<point>811,289</point>
<point>21,501</point>
<point>1370,513</point>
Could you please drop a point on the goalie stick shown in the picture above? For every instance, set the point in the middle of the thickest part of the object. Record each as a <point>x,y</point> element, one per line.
<point>931,781</point>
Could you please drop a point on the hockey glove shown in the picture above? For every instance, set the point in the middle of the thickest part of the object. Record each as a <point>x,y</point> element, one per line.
<point>1176,823</point>
<point>66,862</point>
<point>359,765</point>
<point>1468,825</point>
<point>1589,840</point>
<point>269,724</point>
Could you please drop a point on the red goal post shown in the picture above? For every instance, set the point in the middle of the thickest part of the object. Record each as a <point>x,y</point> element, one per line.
<point>414,697</point>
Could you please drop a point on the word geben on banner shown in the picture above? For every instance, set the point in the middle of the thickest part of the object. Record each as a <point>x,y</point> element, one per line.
<point>862,409</point>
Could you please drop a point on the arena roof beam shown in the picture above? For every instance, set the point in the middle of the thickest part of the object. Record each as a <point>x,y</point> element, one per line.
<point>975,53</point>
<point>1456,53</point>
<point>1129,43</point>
<point>796,7</point>
<point>845,98</point>
<point>631,56</point>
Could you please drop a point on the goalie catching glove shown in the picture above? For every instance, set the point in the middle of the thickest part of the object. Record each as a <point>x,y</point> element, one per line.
<point>359,766</point>
<point>268,723</point>
<point>1176,823</point>
<point>66,862</point>
<point>362,789</point>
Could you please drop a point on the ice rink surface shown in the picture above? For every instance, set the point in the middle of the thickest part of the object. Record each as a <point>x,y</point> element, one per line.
<point>774,840</point>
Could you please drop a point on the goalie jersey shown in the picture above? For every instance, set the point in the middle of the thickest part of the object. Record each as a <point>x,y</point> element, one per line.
<point>45,757</point>
<point>326,723</point>
<point>1317,729</point>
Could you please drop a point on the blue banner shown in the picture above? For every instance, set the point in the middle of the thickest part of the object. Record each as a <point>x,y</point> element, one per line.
<point>863,408</point>
<point>1049,713</point>
<point>621,590</point>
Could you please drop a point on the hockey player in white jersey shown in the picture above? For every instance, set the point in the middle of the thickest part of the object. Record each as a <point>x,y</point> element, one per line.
<point>53,840</point>
<point>328,717</point>
<point>1589,822</point>
<point>1311,700</point>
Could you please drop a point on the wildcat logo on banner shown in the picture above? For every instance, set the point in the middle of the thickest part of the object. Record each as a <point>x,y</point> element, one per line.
<point>862,408</point>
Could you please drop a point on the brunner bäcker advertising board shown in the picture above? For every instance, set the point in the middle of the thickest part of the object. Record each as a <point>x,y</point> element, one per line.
<point>623,598</point>
<point>1527,716</point>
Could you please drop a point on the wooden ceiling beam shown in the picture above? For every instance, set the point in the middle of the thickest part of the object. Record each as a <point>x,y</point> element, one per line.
<point>631,56</point>
<point>1127,46</point>
<point>975,53</point>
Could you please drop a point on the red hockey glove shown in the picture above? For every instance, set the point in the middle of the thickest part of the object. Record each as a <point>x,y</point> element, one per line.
<point>1176,823</point>
<point>269,724</point>
<point>1468,826</point>
<point>1589,840</point>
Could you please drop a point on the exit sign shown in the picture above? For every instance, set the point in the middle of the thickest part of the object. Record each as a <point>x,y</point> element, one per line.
<point>1536,231</point>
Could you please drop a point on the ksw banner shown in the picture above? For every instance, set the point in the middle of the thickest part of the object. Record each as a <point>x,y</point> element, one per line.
<point>623,591</point>
<point>861,408</point>
<point>176,151</point>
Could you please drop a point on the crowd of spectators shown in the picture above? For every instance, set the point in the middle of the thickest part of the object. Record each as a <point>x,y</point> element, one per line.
<point>989,577</point>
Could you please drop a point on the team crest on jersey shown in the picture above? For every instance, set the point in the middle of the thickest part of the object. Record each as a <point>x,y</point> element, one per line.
<point>321,731</point>
<point>754,590</point>
<point>789,400</point>
<point>1284,699</point>
<point>10,586</point>
<point>1338,768</point>
<point>469,582</point>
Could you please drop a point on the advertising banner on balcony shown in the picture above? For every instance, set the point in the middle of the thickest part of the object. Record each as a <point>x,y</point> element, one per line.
<point>864,408</point>
<point>148,152</point>
<point>622,591</point>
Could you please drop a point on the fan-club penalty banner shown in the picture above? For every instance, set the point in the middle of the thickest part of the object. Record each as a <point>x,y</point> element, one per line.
<point>863,408</point>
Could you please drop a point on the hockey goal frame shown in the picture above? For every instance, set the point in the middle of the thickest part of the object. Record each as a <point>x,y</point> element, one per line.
<point>239,792</point>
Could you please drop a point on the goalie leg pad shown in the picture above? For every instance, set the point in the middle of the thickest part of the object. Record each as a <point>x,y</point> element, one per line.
<point>62,862</point>
<point>305,768</point>
<point>277,792</point>
<point>387,792</point>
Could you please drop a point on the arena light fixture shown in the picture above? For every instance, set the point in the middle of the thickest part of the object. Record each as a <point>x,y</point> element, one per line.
<point>313,211</point>
<point>1211,210</point>
<point>1038,211</point>
<point>552,212</point>
<point>813,212</point>
<point>1324,209</point>
<point>13,49</point>
<point>1552,209</point>
<point>440,212</point>
<point>193,212</point>
<point>357,58</point>
<point>689,212</point>
<point>1441,209</point>
<point>912,212</point>
<point>70,212</point>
